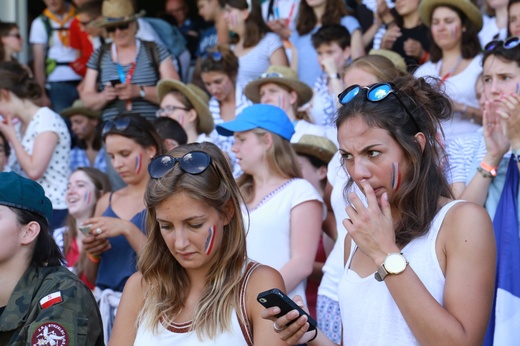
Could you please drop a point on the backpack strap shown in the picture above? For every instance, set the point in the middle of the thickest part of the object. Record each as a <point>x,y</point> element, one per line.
<point>102,51</point>
<point>153,55</point>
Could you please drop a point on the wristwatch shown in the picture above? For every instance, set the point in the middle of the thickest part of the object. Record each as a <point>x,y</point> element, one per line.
<point>395,263</point>
<point>142,93</point>
<point>516,154</point>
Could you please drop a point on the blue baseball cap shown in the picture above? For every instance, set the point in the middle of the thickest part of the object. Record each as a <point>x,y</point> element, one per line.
<point>267,117</point>
<point>22,193</point>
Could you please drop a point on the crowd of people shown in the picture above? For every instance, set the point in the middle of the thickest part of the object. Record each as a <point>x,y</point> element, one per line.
<point>158,173</point>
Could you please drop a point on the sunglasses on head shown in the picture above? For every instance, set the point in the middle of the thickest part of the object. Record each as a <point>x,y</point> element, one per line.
<point>375,93</point>
<point>117,124</point>
<point>271,75</point>
<point>194,162</point>
<point>121,27</point>
<point>509,43</point>
<point>215,56</point>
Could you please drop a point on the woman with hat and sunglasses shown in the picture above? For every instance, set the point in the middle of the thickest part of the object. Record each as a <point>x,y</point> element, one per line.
<point>117,228</point>
<point>280,87</point>
<point>121,76</point>
<point>455,59</point>
<point>284,212</point>
<point>411,250</point>
<point>196,284</point>
<point>41,301</point>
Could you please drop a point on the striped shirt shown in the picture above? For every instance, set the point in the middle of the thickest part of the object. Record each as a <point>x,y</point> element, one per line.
<point>144,75</point>
<point>464,155</point>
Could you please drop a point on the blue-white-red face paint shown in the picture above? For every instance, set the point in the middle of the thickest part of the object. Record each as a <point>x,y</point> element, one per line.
<point>138,163</point>
<point>210,239</point>
<point>87,197</point>
<point>396,176</point>
<point>281,101</point>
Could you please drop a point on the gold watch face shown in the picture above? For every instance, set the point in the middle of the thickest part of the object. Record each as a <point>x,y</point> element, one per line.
<point>395,263</point>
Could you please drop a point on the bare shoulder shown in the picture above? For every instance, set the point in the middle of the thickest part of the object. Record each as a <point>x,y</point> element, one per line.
<point>264,278</point>
<point>102,204</point>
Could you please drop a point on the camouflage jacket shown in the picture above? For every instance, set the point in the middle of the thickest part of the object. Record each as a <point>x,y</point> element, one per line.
<point>51,306</point>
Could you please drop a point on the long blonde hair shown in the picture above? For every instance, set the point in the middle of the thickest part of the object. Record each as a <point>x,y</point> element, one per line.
<point>281,159</point>
<point>167,280</point>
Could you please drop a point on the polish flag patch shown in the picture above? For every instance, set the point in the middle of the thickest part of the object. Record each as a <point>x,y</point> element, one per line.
<point>50,300</point>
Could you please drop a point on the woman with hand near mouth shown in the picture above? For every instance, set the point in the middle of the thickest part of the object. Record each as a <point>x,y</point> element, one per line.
<point>85,187</point>
<point>411,251</point>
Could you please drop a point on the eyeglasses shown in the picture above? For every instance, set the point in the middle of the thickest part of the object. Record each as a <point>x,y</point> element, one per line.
<point>117,124</point>
<point>509,43</point>
<point>121,27</point>
<point>215,56</point>
<point>376,93</point>
<point>194,162</point>
<point>17,35</point>
<point>168,110</point>
<point>271,75</point>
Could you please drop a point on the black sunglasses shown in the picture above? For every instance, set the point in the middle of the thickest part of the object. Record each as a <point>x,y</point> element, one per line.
<point>509,43</point>
<point>122,26</point>
<point>117,124</point>
<point>376,93</point>
<point>194,162</point>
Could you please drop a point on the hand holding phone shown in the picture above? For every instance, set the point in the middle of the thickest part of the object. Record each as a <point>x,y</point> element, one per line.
<point>275,297</point>
<point>114,82</point>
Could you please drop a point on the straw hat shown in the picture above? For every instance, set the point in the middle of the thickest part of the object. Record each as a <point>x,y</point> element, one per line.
<point>396,58</point>
<point>319,147</point>
<point>279,75</point>
<point>117,12</point>
<point>197,97</point>
<point>465,6</point>
<point>79,108</point>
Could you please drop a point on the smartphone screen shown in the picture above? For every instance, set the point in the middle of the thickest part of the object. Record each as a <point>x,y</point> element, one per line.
<point>115,82</point>
<point>275,297</point>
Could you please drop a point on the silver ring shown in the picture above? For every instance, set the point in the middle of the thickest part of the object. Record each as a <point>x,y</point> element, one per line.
<point>99,230</point>
<point>278,329</point>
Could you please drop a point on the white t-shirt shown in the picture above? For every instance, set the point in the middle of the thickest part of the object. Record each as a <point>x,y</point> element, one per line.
<point>303,127</point>
<point>490,31</point>
<point>460,88</point>
<point>54,179</point>
<point>269,226</point>
<point>57,50</point>
<point>256,61</point>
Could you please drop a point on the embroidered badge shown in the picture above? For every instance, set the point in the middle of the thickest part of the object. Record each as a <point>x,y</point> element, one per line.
<point>52,334</point>
<point>50,300</point>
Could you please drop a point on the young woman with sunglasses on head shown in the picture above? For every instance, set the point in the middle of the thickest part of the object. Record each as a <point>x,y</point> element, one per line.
<point>455,60</point>
<point>283,211</point>
<point>117,228</point>
<point>195,285</point>
<point>411,250</point>
<point>122,76</point>
<point>39,137</point>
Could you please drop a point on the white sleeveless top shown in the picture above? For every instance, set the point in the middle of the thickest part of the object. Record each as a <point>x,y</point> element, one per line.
<point>369,314</point>
<point>241,333</point>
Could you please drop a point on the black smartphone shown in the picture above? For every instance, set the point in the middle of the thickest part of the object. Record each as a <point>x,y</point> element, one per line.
<point>275,297</point>
<point>115,82</point>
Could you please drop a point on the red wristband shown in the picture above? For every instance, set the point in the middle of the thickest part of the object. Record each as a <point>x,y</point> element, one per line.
<point>94,258</point>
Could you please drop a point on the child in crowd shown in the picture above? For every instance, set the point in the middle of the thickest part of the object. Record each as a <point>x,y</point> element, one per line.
<point>218,33</point>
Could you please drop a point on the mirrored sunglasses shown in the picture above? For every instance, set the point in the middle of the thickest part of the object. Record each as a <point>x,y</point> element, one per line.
<point>509,43</point>
<point>194,162</point>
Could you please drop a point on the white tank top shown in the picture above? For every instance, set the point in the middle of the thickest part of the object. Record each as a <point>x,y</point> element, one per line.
<point>181,334</point>
<point>368,312</point>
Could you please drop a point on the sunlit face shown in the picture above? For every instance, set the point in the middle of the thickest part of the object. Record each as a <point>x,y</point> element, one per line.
<point>235,18</point>
<point>514,19</point>
<point>359,76</point>
<point>191,229</point>
<point>13,41</point>
<point>332,51</point>
<point>218,84</point>
<point>446,27</point>
<point>500,78</point>
<point>310,173</point>
<point>10,233</point>
<point>81,195</point>
<point>173,108</point>
<point>55,6</point>
<point>372,155</point>
<point>128,158</point>
<point>249,150</point>
<point>406,7</point>
<point>276,95</point>
<point>82,126</point>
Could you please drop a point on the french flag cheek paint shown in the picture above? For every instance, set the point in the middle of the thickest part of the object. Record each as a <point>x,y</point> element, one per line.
<point>395,176</point>
<point>210,239</point>
<point>281,101</point>
<point>181,119</point>
<point>87,197</point>
<point>138,163</point>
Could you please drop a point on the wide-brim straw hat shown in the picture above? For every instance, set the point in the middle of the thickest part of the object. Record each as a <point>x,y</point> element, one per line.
<point>78,107</point>
<point>282,75</point>
<point>197,97</point>
<point>319,147</point>
<point>465,6</point>
<point>117,12</point>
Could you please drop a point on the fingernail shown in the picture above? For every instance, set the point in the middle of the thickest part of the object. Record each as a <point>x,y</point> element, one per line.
<point>276,310</point>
